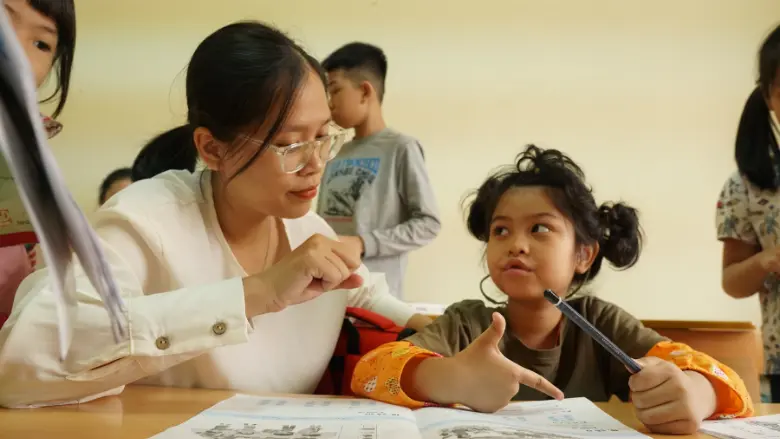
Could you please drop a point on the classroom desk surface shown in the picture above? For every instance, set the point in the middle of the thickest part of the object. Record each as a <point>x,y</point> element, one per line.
<point>141,412</point>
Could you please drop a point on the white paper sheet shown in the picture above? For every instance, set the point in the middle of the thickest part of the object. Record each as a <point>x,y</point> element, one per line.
<point>759,427</point>
<point>252,417</point>
<point>33,194</point>
<point>573,418</point>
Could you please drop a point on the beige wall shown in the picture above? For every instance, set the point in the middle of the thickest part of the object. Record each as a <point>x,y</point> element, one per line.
<point>645,95</point>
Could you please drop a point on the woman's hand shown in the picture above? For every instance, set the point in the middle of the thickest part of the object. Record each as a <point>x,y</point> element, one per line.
<point>669,400</point>
<point>318,265</point>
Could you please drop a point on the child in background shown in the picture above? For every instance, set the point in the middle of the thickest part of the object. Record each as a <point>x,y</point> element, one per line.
<point>543,230</point>
<point>376,193</point>
<point>747,209</point>
<point>114,182</point>
<point>156,158</point>
<point>46,30</point>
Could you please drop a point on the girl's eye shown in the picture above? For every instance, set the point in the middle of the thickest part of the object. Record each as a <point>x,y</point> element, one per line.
<point>500,231</point>
<point>40,45</point>
<point>539,228</point>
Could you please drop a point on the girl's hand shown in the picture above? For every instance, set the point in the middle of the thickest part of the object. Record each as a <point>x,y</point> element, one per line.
<point>669,400</point>
<point>487,380</point>
<point>318,265</point>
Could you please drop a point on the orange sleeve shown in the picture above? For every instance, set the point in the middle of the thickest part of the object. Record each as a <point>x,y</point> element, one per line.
<point>733,398</point>
<point>378,374</point>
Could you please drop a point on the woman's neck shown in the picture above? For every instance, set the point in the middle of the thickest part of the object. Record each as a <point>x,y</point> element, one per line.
<point>238,226</point>
<point>535,323</point>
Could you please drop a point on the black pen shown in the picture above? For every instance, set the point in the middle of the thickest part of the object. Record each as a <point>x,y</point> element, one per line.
<point>591,330</point>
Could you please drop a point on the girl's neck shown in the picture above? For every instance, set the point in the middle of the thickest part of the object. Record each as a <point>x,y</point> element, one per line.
<point>535,323</point>
<point>238,226</point>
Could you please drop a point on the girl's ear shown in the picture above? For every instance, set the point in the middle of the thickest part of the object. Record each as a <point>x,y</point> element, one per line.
<point>586,254</point>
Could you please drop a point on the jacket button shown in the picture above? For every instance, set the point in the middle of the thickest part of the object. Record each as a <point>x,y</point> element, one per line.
<point>219,328</point>
<point>162,343</point>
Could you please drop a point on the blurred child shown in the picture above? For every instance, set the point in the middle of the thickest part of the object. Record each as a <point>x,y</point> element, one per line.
<point>376,193</point>
<point>114,182</point>
<point>46,30</point>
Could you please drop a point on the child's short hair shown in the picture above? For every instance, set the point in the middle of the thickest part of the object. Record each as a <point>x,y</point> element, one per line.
<point>63,14</point>
<point>615,226</point>
<point>360,62</point>
<point>113,177</point>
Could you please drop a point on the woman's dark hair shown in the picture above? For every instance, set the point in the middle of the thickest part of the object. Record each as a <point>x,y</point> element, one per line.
<point>756,148</point>
<point>113,177</point>
<point>243,77</point>
<point>63,13</point>
<point>614,226</point>
<point>157,157</point>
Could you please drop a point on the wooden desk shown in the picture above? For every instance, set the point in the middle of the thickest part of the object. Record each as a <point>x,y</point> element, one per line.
<point>141,412</point>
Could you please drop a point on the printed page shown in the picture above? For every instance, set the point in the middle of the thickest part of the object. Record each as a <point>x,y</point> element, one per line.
<point>42,198</point>
<point>254,417</point>
<point>760,427</point>
<point>574,418</point>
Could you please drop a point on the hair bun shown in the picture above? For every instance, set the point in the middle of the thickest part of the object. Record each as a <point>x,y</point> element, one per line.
<point>621,240</point>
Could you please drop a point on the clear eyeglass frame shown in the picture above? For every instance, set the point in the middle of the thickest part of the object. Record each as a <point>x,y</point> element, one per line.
<point>296,156</point>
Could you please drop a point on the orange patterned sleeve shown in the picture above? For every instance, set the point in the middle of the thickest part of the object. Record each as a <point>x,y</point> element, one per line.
<point>733,398</point>
<point>378,374</point>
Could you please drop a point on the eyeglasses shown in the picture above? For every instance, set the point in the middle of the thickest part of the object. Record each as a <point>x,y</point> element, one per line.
<point>296,156</point>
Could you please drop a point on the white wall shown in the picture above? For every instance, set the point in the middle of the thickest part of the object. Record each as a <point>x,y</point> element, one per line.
<point>645,95</point>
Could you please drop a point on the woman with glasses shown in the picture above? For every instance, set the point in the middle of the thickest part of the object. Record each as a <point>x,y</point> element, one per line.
<point>229,281</point>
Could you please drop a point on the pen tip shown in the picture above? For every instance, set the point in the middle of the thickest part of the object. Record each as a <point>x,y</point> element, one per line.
<point>551,297</point>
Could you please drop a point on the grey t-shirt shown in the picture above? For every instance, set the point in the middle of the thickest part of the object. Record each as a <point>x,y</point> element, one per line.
<point>578,365</point>
<point>378,188</point>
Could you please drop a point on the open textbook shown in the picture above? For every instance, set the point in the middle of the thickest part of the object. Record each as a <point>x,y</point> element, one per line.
<point>252,417</point>
<point>759,427</point>
<point>34,201</point>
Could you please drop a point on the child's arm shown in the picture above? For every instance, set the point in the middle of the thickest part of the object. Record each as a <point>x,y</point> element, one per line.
<point>732,397</point>
<point>636,340</point>
<point>423,222</point>
<point>479,377</point>
<point>745,266</point>
<point>678,388</point>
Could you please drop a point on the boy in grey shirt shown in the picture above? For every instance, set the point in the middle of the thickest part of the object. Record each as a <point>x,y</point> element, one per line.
<point>376,193</point>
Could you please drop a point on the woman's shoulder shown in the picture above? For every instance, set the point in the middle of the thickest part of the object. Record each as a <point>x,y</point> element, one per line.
<point>173,197</point>
<point>172,187</point>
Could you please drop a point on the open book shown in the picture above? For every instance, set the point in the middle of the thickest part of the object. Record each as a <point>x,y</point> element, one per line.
<point>252,417</point>
<point>34,201</point>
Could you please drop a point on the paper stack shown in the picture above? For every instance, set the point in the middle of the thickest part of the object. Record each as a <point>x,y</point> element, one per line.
<point>34,201</point>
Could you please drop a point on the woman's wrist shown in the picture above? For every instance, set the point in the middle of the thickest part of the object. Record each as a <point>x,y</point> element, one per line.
<point>258,297</point>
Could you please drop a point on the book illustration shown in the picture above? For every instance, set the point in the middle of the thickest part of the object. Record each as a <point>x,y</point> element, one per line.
<point>761,427</point>
<point>774,426</point>
<point>486,432</point>
<point>253,417</point>
<point>251,431</point>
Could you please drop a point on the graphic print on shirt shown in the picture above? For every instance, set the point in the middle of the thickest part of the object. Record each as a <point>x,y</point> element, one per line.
<point>345,180</point>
